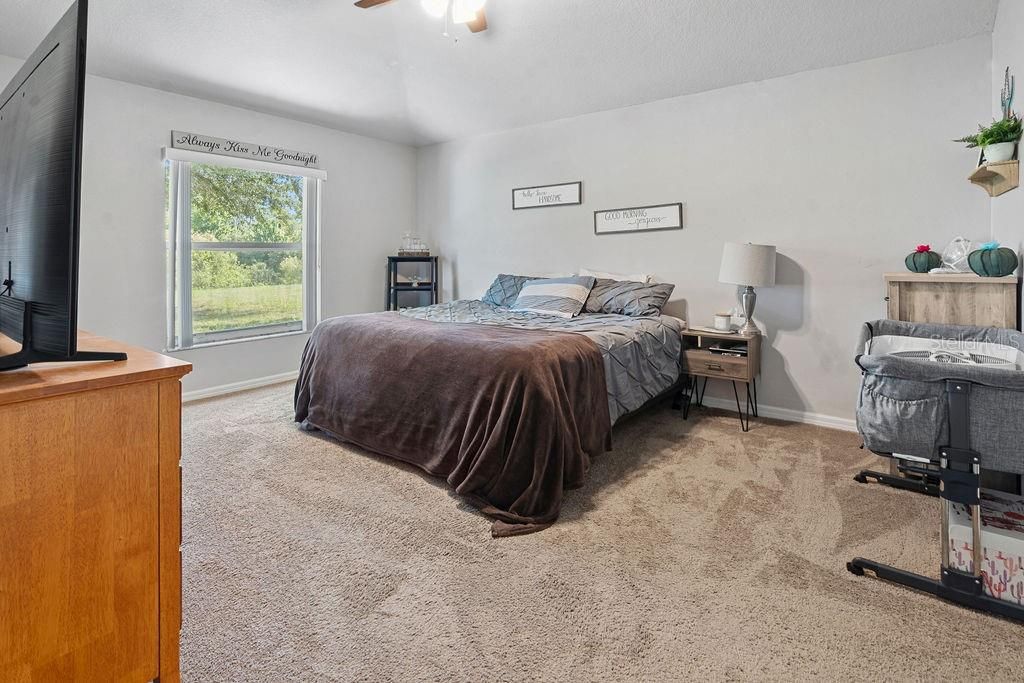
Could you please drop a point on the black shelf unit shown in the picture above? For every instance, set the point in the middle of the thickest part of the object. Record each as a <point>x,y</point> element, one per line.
<point>393,286</point>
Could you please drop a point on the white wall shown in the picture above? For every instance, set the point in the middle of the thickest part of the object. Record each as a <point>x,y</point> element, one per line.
<point>1008,51</point>
<point>367,203</point>
<point>846,169</point>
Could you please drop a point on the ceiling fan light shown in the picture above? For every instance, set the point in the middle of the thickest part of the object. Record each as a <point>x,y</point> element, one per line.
<point>464,11</point>
<point>435,8</point>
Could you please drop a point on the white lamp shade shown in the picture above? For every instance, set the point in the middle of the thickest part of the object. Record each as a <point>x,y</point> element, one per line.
<point>748,264</point>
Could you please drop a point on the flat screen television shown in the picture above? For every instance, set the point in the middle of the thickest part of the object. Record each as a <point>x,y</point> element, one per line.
<point>41,112</point>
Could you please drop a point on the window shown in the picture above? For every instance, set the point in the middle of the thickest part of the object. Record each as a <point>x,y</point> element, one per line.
<point>242,253</point>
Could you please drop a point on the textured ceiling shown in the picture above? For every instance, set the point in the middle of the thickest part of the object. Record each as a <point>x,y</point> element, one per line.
<point>390,73</point>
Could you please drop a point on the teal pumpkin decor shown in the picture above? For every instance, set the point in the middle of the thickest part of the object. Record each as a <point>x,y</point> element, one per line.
<point>922,260</point>
<point>991,260</point>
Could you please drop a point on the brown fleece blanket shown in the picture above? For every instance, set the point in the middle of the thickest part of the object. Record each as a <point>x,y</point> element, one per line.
<point>510,417</point>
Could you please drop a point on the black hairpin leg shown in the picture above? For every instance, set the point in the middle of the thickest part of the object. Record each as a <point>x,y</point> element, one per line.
<point>753,382</point>
<point>744,419</point>
<point>685,398</point>
<point>700,390</point>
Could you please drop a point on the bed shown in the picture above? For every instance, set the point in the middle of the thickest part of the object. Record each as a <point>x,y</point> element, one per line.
<point>508,406</point>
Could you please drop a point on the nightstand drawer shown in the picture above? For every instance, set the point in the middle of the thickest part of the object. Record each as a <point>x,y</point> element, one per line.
<point>707,364</point>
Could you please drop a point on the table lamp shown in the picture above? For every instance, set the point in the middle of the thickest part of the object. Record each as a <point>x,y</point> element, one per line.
<point>748,265</point>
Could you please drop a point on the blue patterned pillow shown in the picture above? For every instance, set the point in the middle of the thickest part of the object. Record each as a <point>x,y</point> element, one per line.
<point>504,290</point>
<point>563,296</point>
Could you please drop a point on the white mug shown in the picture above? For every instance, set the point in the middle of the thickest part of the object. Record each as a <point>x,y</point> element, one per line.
<point>723,321</point>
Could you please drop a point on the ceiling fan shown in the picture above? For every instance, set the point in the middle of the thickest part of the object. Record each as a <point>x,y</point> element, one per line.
<point>468,12</point>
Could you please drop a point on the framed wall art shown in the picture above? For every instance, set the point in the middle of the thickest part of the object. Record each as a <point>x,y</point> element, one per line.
<point>542,196</point>
<point>639,219</point>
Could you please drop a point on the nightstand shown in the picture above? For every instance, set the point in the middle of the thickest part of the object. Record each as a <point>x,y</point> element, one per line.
<point>701,363</point>
<point>395,287</point>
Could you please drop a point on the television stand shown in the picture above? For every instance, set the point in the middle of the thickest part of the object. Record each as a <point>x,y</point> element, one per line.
<point>28,355</point>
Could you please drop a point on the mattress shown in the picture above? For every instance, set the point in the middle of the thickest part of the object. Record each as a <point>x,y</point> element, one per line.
<point>641,355</point>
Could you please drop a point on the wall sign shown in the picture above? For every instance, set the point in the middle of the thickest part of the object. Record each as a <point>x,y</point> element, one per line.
<point>547,195</point>
<point>639,219</point>
<point>243,150</point>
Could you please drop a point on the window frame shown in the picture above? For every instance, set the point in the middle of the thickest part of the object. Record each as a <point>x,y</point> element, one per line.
<point>180,334</point>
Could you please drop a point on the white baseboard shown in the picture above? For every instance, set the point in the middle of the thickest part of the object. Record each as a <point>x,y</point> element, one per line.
<point>846,425</point>
<point>221,390</point>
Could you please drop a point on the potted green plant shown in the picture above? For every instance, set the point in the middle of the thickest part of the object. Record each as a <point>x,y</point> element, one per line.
<point>998,141</point>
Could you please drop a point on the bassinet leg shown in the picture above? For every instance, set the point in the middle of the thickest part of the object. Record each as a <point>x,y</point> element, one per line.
<point>978,601</point>
<point>925,484</point>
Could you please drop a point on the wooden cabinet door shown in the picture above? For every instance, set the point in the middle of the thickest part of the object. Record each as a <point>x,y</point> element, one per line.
<point>79,536</point>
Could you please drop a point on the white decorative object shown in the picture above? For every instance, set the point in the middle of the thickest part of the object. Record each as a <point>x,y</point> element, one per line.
<point>547,195</point>
<point>1001,151</point>
<point>954,256</point>
<point>748,265</point>
<point>639,219</point>
<point>723,321</point>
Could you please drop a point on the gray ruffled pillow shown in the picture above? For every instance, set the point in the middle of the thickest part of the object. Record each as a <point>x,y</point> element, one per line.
<point>505,289</point>
<point>628,298</point>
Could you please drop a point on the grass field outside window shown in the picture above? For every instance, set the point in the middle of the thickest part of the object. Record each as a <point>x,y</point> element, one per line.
<point>240,307</point>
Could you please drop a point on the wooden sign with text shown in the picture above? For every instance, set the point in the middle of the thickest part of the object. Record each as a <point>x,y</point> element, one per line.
<point>243,150</point>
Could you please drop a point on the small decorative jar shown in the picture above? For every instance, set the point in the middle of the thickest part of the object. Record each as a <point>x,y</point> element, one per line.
<point>922,260</point>
<point>992,260</point>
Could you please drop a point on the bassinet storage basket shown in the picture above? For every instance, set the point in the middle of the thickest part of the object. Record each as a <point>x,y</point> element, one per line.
<point>903,404</point>
<point>953,397</point>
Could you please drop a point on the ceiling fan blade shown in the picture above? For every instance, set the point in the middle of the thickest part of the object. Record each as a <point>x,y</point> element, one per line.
<point>479,23</point>
<point>367,4</point>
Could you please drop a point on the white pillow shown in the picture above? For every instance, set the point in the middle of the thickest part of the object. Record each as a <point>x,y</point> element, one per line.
<point>562,297</point>
<point>630,277</point>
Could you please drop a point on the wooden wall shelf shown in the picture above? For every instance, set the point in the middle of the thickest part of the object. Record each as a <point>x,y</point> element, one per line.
<point>996,178</point>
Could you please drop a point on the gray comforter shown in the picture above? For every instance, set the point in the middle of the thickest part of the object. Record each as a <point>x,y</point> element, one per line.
<point>641,355</point>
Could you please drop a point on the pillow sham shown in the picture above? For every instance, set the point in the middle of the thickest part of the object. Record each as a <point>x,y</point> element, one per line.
<point>562,296</point>
<point>632,277</point>
<point>504,290</point>
<point>628,298</point>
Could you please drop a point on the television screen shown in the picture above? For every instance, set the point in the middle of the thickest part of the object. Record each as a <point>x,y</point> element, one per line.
<point>40,177</point>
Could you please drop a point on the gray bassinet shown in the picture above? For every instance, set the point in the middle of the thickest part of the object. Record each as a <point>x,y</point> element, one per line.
<point>903,405</point>
<point>953,396</point>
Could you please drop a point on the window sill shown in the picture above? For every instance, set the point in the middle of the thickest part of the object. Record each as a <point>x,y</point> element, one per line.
<point>240,340</point>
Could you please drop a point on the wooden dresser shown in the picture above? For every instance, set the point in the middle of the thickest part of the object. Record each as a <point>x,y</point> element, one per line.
<point>90,518</point>
<point>952,298</point>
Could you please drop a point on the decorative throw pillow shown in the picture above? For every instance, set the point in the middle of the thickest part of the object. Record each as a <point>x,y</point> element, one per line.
<point>562,296</point>
<point>505,288</point>
<point>601,275</point>
<point>628,298</point>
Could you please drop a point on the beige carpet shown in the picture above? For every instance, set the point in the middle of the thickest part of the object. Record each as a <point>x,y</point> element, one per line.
<point>694,551</point>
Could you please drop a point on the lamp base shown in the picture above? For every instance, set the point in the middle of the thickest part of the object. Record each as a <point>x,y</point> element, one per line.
<point>749,301</point>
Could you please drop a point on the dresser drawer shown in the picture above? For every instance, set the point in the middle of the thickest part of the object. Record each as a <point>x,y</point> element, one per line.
<point>707,364</point>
